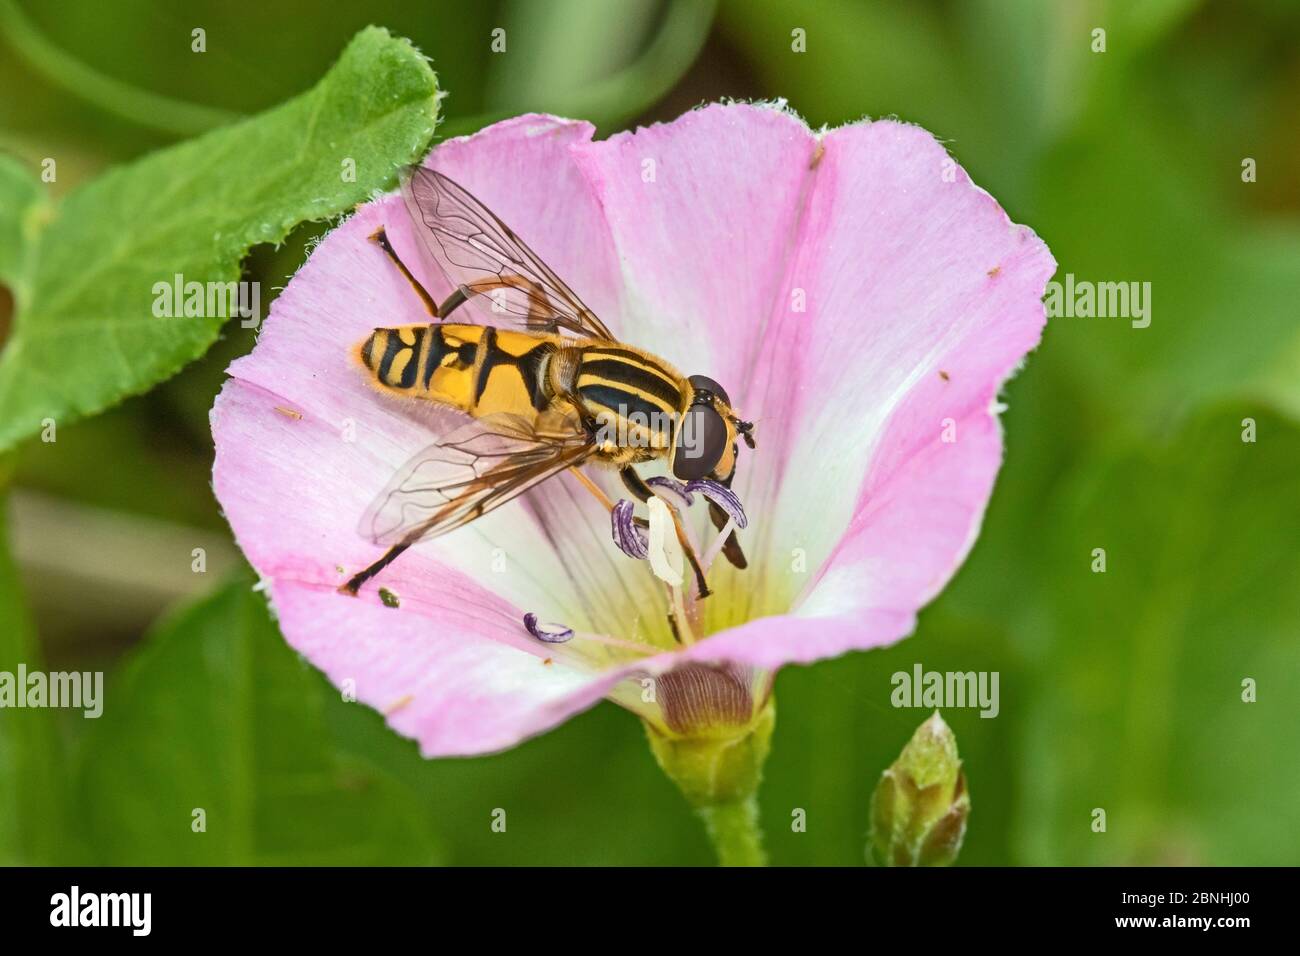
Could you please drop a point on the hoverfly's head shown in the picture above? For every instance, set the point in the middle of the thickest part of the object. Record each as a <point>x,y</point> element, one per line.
<point>705,445</point>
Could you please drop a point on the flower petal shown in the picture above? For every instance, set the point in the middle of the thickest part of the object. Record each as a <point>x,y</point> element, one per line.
<point>900,550</point>
<point>451,689</point>
<point>909,341</point>
<point>877,402</point>
<point>451,664</point>
<point>702,211</point>
<point>921,298</point>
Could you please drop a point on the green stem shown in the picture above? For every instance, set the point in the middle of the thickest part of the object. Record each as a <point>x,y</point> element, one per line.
<point>623,96</point>
<point>718,770</point>
<point>143,107</point>
<point>734,830</point>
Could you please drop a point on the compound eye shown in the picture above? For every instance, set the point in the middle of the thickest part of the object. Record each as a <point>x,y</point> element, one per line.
<point>703,383</point>
<point>701,440</point>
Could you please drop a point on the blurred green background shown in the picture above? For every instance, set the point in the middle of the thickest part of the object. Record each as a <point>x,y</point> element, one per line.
<point>1119,690</point>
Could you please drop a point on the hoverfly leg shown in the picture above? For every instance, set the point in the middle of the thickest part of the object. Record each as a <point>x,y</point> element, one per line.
<point>380,237</point>
<point>672,619</point>
<point>635,483</point>
<point>453,302</point>
<point>593,488</point>
<point>701,582</point>
<point>361,577</point>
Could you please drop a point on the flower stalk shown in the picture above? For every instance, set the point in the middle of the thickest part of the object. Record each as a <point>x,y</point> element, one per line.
<point>734,831</point>
<point>718,769</point>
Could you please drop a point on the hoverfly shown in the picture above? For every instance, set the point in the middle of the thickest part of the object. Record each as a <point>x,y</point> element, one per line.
<point>546,386</point>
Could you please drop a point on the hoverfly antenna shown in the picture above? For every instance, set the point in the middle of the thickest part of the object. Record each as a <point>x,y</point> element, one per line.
<point>746,430</point>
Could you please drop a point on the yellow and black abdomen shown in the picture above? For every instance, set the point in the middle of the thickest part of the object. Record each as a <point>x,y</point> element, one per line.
<point>478,369</point>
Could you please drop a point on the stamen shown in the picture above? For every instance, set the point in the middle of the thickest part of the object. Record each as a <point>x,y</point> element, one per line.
<point>636,647</point>
<point>559,634</point>
<point>631,540</point>
<point>673,485</point>
<point>715,549</point>
<point>548,633</point>
<point>665,550</point>
<point>722,496</point>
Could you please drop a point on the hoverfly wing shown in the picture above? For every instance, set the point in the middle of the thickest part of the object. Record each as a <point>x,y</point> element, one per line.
<point>466,474</point>
<point>481,255</point>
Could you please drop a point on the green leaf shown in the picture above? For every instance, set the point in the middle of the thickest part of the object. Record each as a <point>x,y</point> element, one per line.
<point>23,205</point>
<point>216,713</point>
<point>1137,706</point>
<point>85,333</point>
<point>32,795</point>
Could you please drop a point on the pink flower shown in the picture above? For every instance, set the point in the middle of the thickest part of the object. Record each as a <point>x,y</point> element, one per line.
<point>857,296</point>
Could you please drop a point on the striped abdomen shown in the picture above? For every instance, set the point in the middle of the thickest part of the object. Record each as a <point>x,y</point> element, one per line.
<point>476,368</point>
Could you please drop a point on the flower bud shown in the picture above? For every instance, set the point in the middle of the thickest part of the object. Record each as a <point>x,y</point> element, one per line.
<point>919,809</point>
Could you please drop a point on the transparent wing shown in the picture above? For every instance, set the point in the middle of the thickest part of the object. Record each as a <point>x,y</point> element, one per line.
<point>481,256</point>
<point>468,473</point>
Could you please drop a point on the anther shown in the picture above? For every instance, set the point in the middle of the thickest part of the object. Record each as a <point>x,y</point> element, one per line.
<point>629,537</point>
<point>722,496</point>
<point>547,633</point>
